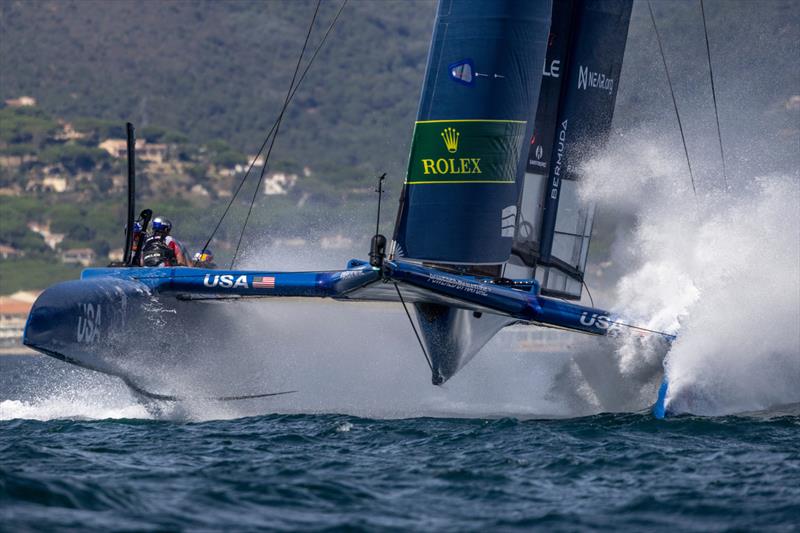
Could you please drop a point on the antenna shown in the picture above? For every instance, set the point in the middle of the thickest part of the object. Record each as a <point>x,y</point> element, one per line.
<point>379,190</point>
<point>377,250</point>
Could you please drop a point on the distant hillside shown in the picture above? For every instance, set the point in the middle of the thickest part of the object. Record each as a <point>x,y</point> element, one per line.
<point>219,70</point>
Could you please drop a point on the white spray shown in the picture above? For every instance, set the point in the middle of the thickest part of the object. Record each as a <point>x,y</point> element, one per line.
<point>725,267</point>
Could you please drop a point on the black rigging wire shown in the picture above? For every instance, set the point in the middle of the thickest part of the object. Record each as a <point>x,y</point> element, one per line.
<point>587,291</point>
<point>672,93</point>
<point>275,135</point>
<point>414,327</point>
<point>714,97</point>
<point>274,125</point>
<point>640,328</point>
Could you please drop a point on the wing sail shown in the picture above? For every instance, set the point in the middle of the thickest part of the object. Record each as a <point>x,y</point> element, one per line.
<point>580,79</point>
<point>459,199</point>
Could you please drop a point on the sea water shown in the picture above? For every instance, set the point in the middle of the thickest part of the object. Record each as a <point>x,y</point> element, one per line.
<point>86,455</point>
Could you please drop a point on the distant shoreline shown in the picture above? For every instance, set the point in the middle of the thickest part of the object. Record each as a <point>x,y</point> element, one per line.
<point>18,350</point>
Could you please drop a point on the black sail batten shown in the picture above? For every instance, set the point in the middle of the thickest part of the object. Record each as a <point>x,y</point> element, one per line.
<point>580,78</point>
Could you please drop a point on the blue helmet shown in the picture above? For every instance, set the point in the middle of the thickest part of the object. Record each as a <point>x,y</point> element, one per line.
<point>137,227</point>
<point>162,225</point>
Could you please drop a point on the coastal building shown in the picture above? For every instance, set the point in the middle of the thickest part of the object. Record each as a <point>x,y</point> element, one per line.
<point>7,252</point>
<point>83,256</point>
<point>118,148</point>
<point>199,190</point>
<point>13,161</point>
<point>154,153</point>
<point>115,256</point>
<point>255,160</point>
<point>252,161</point>
<point>50,239</point>
<point>14,311</point>
<point>536,340</point>
<point>336,242</point>
<point>54,184</point>
<point>291,242</point>
<point>22,101</point>
<point>68,133</point>
<point>279,183</point>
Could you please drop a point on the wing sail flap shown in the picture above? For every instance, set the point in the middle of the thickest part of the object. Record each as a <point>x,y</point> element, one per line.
<point>573,120</point>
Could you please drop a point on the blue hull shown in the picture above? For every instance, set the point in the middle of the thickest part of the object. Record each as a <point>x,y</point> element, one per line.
<point>110,319</point>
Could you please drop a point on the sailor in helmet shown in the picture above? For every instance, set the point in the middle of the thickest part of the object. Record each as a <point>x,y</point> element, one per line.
<point>137,234</point>
<point>204,259</point>
<point>161,249</point>
<point>135,241</point>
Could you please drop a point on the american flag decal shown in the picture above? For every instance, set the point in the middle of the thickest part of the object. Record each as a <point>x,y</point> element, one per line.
<point>265,282</point>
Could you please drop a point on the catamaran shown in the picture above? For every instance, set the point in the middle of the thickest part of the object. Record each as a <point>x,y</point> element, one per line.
<point>490,231</point>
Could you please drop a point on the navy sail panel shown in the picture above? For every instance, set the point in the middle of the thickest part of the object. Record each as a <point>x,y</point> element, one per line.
<point>459,201</point>
<point>588,40</point>
<point>537,163</point>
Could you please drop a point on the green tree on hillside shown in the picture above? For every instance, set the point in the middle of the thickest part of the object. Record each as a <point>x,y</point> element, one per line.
<point>75,157</point>
<point>27,125</point>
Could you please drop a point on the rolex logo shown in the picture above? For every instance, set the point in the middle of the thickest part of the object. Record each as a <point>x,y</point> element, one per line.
<point>450,136</point>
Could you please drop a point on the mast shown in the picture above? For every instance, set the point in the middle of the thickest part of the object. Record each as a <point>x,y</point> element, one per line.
<point>128,250</point>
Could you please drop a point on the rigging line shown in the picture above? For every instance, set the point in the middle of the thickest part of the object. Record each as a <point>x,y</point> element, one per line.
<point>674,102</point>
<point>588,291</point>
<point>714,97</point>
<point>662,333</point>
<point>274,124</point>
<point>275,135</point>
<point>414,327</point>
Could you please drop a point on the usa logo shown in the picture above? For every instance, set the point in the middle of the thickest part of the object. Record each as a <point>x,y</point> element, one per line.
<point>225,281</point>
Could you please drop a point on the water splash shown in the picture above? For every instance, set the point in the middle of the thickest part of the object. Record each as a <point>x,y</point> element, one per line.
<point>53,390</point>
<point>56,407</point>
<point>725,269</point>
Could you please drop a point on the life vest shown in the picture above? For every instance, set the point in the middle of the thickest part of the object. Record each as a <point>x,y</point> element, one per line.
<point>157,253</point>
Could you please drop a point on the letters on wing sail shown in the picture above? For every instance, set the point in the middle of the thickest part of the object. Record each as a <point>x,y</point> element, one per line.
<point>580,77</point>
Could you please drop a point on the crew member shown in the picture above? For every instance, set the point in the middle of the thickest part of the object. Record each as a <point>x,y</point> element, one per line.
<point>135,238</point>
<point>137,233</point>
<point>204,259</point>
<point>161,249</point>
